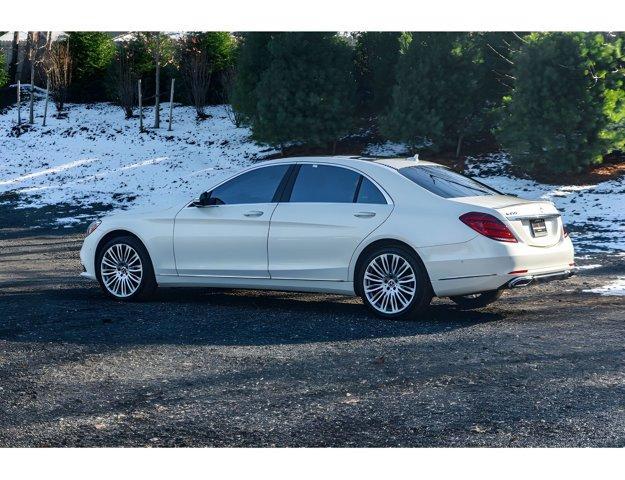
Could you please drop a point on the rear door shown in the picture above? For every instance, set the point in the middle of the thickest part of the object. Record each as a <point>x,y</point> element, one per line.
<point>316,229</point>
<point>229,239</point>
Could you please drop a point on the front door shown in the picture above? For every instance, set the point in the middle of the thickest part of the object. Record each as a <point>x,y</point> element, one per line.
<point>229,238</point>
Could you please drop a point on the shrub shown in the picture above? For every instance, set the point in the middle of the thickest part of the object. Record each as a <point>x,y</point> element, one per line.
<point>202,57</point>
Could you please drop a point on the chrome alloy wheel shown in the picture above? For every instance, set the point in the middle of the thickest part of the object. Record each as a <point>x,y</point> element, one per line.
<point>390,283</point>
<point>121,270</point>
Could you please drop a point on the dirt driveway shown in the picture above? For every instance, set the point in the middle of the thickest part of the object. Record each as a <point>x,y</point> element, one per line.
<point>545,366</point>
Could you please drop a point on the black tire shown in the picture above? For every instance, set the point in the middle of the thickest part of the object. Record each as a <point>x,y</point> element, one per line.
<point>479,300</point>
<point>423,289</point>
<point>147,285</point>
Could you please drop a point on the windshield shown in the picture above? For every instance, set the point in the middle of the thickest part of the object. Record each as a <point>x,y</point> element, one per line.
<point>446,183</point>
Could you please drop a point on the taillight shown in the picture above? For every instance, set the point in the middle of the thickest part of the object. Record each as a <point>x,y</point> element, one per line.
<point>489,226</point>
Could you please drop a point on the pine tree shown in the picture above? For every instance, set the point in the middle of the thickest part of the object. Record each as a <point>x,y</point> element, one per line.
<point>253,59</point>
<point>92,53</point>
<point>440,93</point>
<point>307,92</point>
<point>376,55</point>
<point>567,108</point>
<point>3,73</point>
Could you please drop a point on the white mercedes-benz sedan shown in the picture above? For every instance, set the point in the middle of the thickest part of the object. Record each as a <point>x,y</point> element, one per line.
<point>395,232</point>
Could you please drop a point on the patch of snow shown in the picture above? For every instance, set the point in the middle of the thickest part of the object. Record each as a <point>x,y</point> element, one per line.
<point>67,221</point>
<point>392,149</point>
<point>615,288</point>
<point>96,156</point>
<point>386,149</point>
<point>588,267</point>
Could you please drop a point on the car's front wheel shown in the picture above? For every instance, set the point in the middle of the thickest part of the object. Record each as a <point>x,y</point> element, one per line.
<point>394,284</point>
<point>476,300</point>
<point>124,269</point>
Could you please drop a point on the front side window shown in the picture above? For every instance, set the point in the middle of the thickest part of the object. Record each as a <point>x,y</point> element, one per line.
<point>324,184</point>
<point>446,183</point>
<point>256,186</point>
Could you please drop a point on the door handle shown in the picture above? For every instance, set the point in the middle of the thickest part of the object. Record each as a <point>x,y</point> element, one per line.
<point>253,213</point>
<point>364,214</point>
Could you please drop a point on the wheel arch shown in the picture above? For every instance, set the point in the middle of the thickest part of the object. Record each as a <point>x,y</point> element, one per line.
<point>119,232</point>
<point>383,242</point>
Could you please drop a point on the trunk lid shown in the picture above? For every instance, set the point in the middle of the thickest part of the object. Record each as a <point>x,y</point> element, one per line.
<point>534,222</point>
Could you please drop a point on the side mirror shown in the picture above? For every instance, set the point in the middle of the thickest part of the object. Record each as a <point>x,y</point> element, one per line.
<point>204,199</point>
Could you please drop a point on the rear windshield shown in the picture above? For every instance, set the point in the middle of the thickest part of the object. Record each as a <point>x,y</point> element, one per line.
<point>446,183</point>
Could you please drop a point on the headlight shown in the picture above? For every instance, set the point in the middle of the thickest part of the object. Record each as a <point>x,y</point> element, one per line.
<point>92,226</point>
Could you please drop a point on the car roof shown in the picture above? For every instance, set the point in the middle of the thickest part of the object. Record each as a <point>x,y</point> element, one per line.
<point>394,163</point>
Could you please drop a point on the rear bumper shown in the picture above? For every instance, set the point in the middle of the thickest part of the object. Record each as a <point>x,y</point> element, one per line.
<point>482,264</point>
<point>526,280</point>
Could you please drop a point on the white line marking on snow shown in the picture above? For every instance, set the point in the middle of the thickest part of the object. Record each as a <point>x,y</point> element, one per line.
<point>48,171</point>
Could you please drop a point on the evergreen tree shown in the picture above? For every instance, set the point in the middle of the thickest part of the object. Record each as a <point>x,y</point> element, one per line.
<point>92,53</point>
<point>376,56</point>
<point>252,60</point>
<point>567,108</point>
<point>440,94</point>
<point>307,93</point>
<point>3,73</point>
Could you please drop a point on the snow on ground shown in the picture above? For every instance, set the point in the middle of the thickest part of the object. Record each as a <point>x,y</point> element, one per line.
<point>95,156</point>
<point>615,288</point>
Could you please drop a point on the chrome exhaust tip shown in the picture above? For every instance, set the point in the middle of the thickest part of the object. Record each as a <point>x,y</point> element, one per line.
<point>520,282</point>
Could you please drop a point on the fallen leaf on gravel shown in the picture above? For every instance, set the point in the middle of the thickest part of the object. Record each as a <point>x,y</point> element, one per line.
<point>100,426</point>
<point>478,429</point>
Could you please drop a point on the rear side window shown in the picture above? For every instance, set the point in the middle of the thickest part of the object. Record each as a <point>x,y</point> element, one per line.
<point>369,193</point>
<point>324,184</point>
<point>256,186</point>
<point>446,183</point>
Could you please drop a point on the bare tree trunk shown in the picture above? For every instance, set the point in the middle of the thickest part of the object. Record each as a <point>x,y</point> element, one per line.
<point>459,145</point>
<point>157,82</point>
<point>19,102</point>
<point>171,102</point>
<point>15,57</point>
<point>45,108</point>
<point>140,107</point>
<point>58,69</point>
<point>32,56</point>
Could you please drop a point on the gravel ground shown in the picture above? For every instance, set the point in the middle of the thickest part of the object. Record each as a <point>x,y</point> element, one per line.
<point>544,366</point>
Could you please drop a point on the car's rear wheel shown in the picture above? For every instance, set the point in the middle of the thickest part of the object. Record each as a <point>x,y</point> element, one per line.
<point>477,300</point>
<point>124,269</point>
<point>394,284</point>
